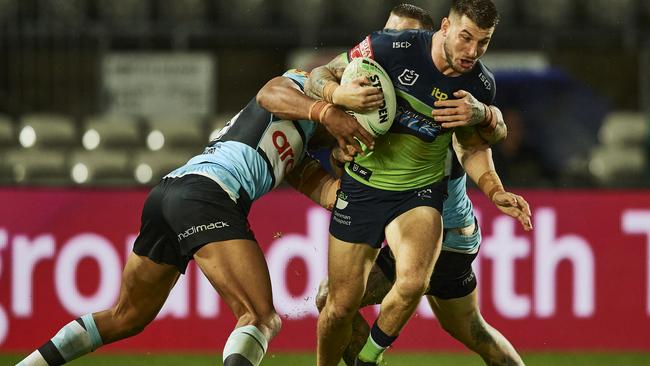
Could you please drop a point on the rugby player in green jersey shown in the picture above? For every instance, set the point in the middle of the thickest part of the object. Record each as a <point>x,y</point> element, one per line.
<point>395,192</point>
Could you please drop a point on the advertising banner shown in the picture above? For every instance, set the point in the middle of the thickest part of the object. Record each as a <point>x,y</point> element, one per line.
<point>579,281</point>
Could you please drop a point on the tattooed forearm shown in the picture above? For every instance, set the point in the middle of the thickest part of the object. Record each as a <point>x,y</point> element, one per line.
<point>478,114</point>
<point>323,75</point>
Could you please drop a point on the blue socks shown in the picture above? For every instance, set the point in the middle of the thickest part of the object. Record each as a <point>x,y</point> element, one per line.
<point>77,338</point>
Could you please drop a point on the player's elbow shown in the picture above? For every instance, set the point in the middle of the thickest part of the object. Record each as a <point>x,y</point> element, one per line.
<point>274,88</point>
<point>264,95</point>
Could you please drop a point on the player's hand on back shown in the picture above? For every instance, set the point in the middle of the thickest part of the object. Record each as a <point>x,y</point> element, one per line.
<point>343,155</point>
<point>514,206</point>
<point>346,130</point>
<point>464,111</point>
<point>358,96</point>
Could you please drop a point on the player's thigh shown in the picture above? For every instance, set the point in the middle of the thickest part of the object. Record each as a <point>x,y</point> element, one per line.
<point>415,238</point>
<point>348,267</point>
<point>238,271</point>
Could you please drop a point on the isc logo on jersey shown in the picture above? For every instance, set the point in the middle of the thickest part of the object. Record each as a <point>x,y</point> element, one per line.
<point>378,121</point>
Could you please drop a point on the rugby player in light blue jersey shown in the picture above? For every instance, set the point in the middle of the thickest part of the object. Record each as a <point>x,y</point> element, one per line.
<point>452,286</point>
<point>199,212</point>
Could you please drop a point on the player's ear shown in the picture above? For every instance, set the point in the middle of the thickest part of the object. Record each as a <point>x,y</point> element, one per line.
<point>444,26</point>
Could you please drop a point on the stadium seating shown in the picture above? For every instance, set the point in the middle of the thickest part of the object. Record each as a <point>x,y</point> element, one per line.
<point>618,166</point>
<point>111,131</point>
<point>100,167</point>
<point>622,156</point>
<point>37,130</point>
<point>36,166</point>
<point>149,166</point>
<point>7,132</point>
<point>169,132</point>
<point>624,129</point>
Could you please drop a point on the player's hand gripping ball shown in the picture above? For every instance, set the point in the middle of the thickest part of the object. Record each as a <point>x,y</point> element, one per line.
<point>378,121</point>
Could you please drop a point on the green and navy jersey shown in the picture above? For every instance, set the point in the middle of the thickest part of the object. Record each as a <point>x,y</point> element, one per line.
<point>412,154</point>
<point>254,151</point>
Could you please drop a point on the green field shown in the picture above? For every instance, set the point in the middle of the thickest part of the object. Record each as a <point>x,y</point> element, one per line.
<point>394,359</point>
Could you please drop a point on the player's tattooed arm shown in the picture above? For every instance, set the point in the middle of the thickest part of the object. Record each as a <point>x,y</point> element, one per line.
<point>475,156</point>
<point>493,128</point>
<point>324,79</point>
<point>358,95</point>
<point>466,110</point>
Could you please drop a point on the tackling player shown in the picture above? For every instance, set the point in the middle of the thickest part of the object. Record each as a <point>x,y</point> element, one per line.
<point>199,212</point>
<point>399,186</point>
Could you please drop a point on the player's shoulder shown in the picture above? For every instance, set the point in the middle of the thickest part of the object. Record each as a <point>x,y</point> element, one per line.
<point>403,39</point>
<point>380,45</point>
<point>297,76</point>
<point>485,75</point>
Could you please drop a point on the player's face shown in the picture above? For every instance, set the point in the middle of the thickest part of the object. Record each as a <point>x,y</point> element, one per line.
<point>464,42</point>
<point>400,23</point>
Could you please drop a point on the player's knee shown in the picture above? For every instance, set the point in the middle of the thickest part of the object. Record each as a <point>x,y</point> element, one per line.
<point>412,286</point>
<point>340,311</point>
<point>321,296</point>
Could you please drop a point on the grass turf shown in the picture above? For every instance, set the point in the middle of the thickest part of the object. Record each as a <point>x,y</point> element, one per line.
<point>392,359</point>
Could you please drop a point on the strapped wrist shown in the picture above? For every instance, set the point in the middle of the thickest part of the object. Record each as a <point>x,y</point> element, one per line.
<point>490,184</point>
<point>328,91</point>
<point>317,110</point>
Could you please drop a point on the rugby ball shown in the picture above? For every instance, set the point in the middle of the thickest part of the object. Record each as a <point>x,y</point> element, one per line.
<point>377,121</point>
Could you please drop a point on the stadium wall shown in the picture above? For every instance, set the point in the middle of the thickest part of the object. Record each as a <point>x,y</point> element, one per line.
<point>579,281</point>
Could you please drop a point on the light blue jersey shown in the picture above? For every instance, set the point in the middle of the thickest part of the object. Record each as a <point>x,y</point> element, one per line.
<point>458,212</point>
<point>254,151</point>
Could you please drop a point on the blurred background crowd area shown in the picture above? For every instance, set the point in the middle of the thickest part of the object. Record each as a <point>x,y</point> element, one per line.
<point>119,92</point>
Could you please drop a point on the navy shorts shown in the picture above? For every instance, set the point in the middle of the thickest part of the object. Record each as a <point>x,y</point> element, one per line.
<point>452,277</point>
<point>182,214</point>
<point>361,213</point>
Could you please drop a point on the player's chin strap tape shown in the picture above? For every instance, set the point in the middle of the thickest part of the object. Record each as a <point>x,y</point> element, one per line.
<point>489,183</point>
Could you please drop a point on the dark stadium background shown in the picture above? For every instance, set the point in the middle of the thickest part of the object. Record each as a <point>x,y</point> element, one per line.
<point>100,98</point>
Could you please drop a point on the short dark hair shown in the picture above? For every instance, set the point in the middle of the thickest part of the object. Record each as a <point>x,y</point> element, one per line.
<point>482,12</point>
<point>414,12</point>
